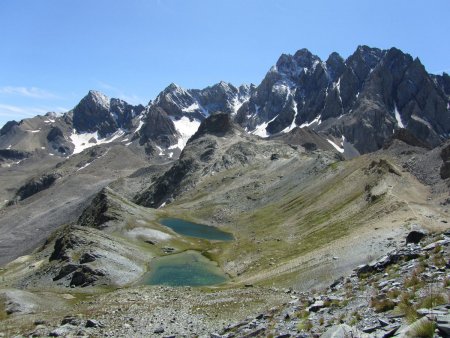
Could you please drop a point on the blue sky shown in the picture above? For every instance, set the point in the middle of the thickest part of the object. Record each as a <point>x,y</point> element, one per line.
<point>54,51</point>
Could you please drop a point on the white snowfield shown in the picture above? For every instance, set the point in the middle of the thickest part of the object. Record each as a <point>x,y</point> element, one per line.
<point>398,117</point>
<point>341,150</point>
<point>81,141</point>
<point>148,234</point>
<point>186,128</point>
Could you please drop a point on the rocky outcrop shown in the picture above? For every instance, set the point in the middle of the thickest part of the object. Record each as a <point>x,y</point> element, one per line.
<point>12,154</point>
<point>220,125</point>
<point>84,256</point>
<point>99,211</point>
<point>445,168</point>
<point>36,185</point>
<point>8,127</point>
<point>158,128</point>
<point>57,141</point>
<point>407,137</point>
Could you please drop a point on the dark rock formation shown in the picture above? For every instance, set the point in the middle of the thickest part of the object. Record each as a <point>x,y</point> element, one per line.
<point>7,127</point>
<point>96,112</point>
<point>36,185</point>
<point>406,136</point>
<point>415,236</point>
<point>157,128</point>
<point>445,168</point>
<point>12,154</point>
<point>98,212</point>
<point>219,124</point>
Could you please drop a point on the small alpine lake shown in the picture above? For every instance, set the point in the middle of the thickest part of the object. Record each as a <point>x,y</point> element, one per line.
<point>188,268</point>
<point>190,229</point>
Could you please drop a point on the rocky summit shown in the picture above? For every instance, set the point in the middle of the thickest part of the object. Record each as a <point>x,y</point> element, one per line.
<point>328,183</point>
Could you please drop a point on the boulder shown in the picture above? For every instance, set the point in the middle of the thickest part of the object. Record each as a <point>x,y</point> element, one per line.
<point>341,331</point>
<point>415,236</point>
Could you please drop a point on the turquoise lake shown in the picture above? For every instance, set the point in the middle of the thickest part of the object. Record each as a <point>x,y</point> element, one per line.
<point>189,268</point>
<point>190,229</point>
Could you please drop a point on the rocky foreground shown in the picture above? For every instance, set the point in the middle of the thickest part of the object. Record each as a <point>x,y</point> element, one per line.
<point>403,294</point>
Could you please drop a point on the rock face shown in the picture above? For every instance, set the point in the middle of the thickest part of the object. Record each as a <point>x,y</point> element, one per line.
<point>7,127</point>
<point>96,112</point>
<point>445,168</point>
<point>98,213</point>
<point>158,128</point>
<point>364,98</point>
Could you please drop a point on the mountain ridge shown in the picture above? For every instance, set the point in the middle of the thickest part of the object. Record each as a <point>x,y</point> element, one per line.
<point>362,99</point>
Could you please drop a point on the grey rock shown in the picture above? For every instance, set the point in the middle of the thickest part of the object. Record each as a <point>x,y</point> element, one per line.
<point>159,330</point>
<point>94,323</point>
<point>316,306</point>
<point>341,331</point>
<point>443,324</point>
<point>431,312</point>
<point>63,331</point>
<point>71,320</point>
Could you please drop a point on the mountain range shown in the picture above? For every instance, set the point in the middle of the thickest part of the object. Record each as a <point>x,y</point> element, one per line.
<point>356,104</point>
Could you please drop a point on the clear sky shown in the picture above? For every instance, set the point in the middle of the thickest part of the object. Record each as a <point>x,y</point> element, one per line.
<point>54,51</point>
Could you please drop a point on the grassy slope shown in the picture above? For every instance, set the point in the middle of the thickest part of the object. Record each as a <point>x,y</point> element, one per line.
<point>285,213</point>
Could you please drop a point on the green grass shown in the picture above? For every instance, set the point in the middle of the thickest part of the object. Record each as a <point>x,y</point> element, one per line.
<point>432,300</point>
<point>425,330</point>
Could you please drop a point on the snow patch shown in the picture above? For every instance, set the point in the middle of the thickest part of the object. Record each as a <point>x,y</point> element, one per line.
<point>398,117</point>
<point>148,234</point>
<point>160,151</point>
<point>186,128</point>
<point>261,131</point>
<point>81,141</point>
<point>85,166</point>
<point>141,123</point>
<point>341,150</point>
<point>34,131</point>
<point>293,124</point>
<point>316,120</point>
<point>49,121</point>
<point>9,147</point>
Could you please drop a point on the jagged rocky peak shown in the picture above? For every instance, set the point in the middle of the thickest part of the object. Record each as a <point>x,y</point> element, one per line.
<point>305,58</point>
<point>92,114</point>
<point>335,66</point>
<point>223,97</point>
<point>176,101</point>
<point>98,98</point>
<point>98,113</point>
<point>294,65</point>
<point>363,60</point>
